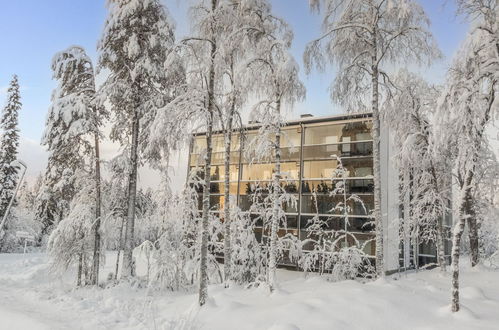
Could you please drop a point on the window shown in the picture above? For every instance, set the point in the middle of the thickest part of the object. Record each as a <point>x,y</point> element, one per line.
<point>319,169</point>
<point>257,172</point>
<point>291,137</point>
<point>218,172</point>
<point>336,133</point>
<point>289,170</point>
<point>326,186</point>
<point>199,144</point>
<point>316,162</point>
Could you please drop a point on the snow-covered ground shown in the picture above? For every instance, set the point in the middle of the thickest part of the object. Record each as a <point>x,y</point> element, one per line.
<point>29,299</point>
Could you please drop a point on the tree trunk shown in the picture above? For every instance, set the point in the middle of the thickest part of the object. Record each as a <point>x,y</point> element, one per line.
<point>442,263</point>
<point>473,234</point>
<point>470,211</point>
<point>227,220</point>
<point>407,220</point>
<point>127,268</point>
<point>440,245</point>
<point>274,226</point>
<point>120,246</point>
<point>80,270</point>
<point>464,203</point>
<point>97,236</point>
<point>376,160</point>
<point>203,271</point>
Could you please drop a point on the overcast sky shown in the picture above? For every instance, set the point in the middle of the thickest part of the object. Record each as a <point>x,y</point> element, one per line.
<point>33,30</point>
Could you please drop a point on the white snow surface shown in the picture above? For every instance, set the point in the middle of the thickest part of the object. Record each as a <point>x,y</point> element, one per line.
<point>31,299</point>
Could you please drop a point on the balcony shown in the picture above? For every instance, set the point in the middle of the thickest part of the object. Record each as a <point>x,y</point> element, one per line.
<point>327,151</point>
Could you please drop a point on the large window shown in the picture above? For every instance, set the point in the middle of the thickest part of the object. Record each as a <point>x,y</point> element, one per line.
<point>328,151</point>
<point>291,137</point>
<point>314,163</point>
<point>338,133</point>
<point>324,169</point>
<point>257,172</point>
<point>218,172</point>
<point>321,169</point>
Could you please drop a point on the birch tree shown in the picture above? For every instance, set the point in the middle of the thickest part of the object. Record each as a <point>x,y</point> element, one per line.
<point>134,47</point>
<point>363,38</point>
<point>195,106</point>
<point>470,99</point>
<point>206,28</point>
<point>279,86</point>
<point>423,167</point>
<point>486,32</point>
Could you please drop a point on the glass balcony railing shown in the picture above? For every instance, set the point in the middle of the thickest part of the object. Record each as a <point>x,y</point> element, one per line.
<point>327,187</point>
<point>324,204</point>
<point>246,201</point>
<point>326,151</point>
<point>216,158</point>
<point>355,224</point>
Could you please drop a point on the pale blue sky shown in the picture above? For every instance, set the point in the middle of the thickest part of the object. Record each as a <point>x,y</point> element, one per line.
<point>33,30</point>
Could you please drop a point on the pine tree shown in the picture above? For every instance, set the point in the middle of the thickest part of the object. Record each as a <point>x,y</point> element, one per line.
<point>69,121</point>
<point>137,39</point>
<point>9,144</point>
<point>76,73</point>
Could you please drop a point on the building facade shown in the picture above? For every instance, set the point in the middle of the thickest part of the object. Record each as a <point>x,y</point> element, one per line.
<point>311,148</point>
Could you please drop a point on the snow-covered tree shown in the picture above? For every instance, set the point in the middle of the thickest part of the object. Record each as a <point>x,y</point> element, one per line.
<point>177,220</point>
<point>77,76</point>
<point>363,38</point>
<point>276,77</point>
<point>335,250</point>
<point>424,169</point>
<point>72,124</point>
<point>176,245</point>
<point>22,221</point>
<point>137,39</point>
<point>70,121</point>
<point>235,93</point>
<point>263,209</point>
<point>470,100</point>
<point>248,262</point>
<point>9,144</point>
<point>199,104</point>
<point>71,243</point>
<point>114,205</point>
<point>486,207</point>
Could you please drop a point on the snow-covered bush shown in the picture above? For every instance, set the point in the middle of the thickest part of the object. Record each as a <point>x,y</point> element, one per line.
<point>176,219</point>
<point>248,258</point>
<point>22,221</point>
<point>71,242</point>
<point>336,253</point>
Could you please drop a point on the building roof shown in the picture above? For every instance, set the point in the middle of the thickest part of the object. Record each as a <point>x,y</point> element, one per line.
<point>307,120</point>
